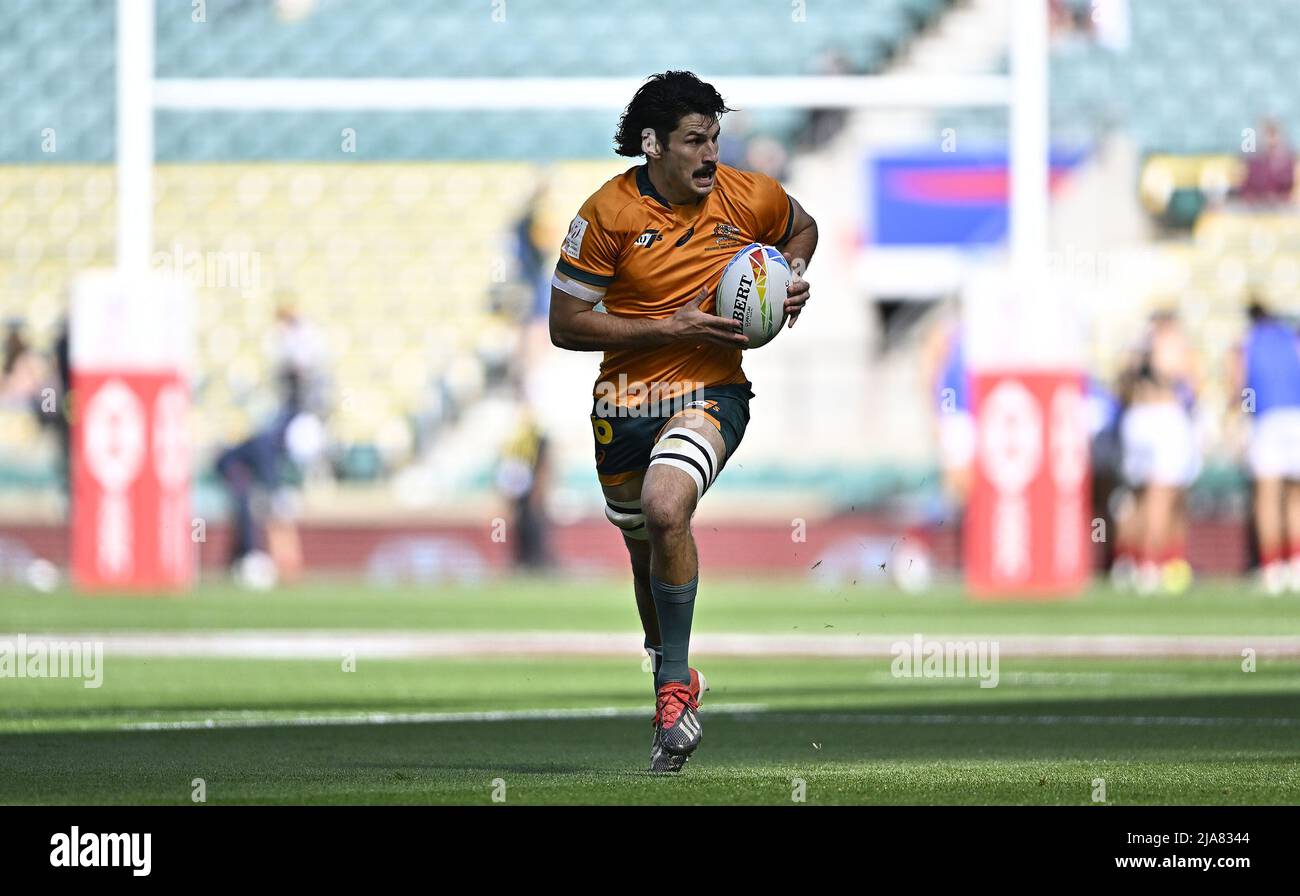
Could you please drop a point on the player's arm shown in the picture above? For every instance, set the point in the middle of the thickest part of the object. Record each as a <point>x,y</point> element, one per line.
<point>798,249</point>
<point>577,326</point>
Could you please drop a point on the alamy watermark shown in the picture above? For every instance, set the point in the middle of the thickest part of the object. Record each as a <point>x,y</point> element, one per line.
<point>212,270</point>
<point>25,657</point>
<point>88,850</point>
<point>920,658</point>
<point>636,398</point>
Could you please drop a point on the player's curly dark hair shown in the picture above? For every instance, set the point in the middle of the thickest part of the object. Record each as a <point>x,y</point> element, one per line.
<point>660,103</point>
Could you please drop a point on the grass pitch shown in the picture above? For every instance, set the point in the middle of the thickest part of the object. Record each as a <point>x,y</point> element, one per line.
<point>575,729</point>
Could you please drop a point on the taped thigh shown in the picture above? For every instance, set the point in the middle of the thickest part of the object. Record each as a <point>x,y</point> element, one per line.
<point>689,451</point>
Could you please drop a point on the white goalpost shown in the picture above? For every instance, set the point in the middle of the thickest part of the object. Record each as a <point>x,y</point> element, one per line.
<point>1013,309</point>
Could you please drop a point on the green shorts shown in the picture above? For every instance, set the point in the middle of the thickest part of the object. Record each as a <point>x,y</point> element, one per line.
<point>623,443</point>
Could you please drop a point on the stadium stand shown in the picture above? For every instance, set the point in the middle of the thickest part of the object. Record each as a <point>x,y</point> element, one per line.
<point>436,192</point>
<point>1187,75</point>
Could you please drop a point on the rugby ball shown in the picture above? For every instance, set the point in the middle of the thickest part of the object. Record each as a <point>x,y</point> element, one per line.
<point>753,291</point>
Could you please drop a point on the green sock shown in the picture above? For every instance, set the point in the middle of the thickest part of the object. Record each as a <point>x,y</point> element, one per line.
<point>675,605</point>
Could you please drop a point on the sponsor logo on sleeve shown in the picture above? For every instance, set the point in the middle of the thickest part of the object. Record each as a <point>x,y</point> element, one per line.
<point>573,242</point>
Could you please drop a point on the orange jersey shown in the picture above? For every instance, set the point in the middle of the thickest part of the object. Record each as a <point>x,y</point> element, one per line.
<point>651,258</point>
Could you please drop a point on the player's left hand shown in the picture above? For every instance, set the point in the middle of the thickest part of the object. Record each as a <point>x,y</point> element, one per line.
<point>797,295</point>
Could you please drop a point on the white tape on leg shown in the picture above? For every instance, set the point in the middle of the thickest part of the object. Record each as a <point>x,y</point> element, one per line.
<point>689,452</point>
<point>627,516</point>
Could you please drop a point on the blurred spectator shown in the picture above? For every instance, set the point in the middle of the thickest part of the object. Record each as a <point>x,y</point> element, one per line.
<point>1266,384</point>
<point>825,123</point>
<point>733,142</point>
<point>948,378</point>
<point>1069,20</point>
<point>1103,22</point>
<point>28,383</point>
<point>767,156</point>
<point>523,477</point>
<point>61,382</point>
<point>299,359</point>
<point>1270,169</point>
<point>1106,456</point>
<point>531,251</point>
<point>1160,456</point>
<point>259,475</point>
<point>23,375</point>
<point>251,472</point>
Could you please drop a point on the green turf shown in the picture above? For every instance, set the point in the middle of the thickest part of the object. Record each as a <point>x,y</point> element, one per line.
<point>752,760</point>
<point>607,605</point>
<point>1157,730</point>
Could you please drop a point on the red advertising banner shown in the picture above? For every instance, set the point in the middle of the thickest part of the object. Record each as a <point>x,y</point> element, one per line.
<point>130,481</point>
<point>131,455</point>
<point>1027,521</point>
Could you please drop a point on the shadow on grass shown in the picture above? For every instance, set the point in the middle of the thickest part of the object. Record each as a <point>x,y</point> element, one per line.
<point>108,766</point>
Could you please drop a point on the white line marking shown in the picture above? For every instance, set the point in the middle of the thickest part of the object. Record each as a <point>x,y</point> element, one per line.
<point>326,644</point>
<point>846,718</point>
<point>745,712</point>
<point>416,718</point>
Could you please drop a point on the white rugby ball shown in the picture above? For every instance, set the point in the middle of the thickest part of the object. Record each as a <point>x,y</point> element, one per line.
<point>753,291</point>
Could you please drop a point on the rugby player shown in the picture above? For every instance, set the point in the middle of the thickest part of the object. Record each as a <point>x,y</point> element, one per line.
<point>671,399</point>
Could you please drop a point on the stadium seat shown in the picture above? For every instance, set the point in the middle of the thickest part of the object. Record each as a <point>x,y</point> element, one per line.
<point>276,185</point>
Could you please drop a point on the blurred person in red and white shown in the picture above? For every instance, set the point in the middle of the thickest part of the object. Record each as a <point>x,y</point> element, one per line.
<point>1160,458</point>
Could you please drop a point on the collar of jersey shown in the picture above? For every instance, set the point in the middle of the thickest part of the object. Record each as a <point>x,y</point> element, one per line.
<point>647,188</point>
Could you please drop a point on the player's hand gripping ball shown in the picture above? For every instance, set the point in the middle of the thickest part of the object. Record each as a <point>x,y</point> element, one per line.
<point>753,291</point>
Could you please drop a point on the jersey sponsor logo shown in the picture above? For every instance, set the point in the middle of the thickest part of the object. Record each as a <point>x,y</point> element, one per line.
<point>727,235</point>
<point>573,242</point>
<point>685,238</point>
<point>649,238</point>
<point>702,405</point>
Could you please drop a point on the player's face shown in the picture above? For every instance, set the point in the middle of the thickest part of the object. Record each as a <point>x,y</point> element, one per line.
<point>692,157</point>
